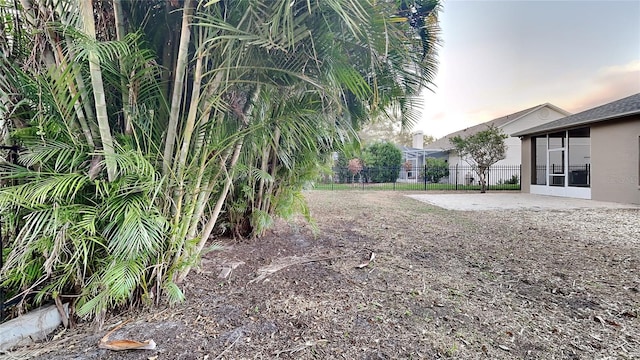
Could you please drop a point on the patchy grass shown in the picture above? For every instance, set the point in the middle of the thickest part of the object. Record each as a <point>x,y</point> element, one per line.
<point>402,186</point>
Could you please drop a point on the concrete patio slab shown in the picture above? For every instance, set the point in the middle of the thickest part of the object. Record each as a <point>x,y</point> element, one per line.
<point>505,201</point>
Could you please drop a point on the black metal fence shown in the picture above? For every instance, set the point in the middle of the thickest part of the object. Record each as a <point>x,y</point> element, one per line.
<point>456,177</point>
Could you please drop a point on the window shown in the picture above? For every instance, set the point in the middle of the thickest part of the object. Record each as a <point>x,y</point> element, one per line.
<point>539,160</point>
<point>580,157</point>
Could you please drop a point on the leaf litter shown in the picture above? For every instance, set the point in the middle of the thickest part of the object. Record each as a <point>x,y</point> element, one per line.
<point>444,284</point>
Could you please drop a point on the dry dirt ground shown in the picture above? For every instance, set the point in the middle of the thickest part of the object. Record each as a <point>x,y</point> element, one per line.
<point>443,284</point>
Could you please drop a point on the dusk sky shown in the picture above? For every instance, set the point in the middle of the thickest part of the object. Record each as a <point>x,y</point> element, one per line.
<point>499,57</point>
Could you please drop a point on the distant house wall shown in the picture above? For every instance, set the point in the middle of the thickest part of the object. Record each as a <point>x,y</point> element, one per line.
<point>615,161</point>
<point>513,154</point>
<point>514,146</point>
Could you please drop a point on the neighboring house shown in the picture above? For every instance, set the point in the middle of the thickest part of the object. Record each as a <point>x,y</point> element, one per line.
<point>594,154</point>
<point>509,124</point>
<point>413,158</point>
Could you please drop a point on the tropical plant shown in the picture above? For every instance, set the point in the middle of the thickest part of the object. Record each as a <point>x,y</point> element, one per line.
<point>481,150</point>
<point>137,144</point>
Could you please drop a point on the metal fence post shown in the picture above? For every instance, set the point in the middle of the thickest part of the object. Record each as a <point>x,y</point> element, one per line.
<point>424,176</point>
<point>456,177</point>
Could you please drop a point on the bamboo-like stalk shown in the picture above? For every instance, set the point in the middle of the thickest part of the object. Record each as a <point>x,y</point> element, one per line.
<point>222,197</point>
<point>120,31</point>
<point>208,228</point>
<point>95,71</point>
<point>264,167</point>
<point>178,86</point>
<point>191,116</point>
<point>77,106</point>
<point>274,166</point>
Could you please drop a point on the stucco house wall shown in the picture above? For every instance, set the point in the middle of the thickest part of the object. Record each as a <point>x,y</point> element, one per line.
<point>615,161</point>
<point>525,182</point>
<point>610,150</point>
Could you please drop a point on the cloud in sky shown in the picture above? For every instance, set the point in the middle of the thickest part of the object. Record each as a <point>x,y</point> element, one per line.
<point>608,84</point>
<point>500,57</point>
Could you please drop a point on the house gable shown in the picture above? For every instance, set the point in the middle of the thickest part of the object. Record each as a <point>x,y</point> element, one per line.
<point>527,118</point>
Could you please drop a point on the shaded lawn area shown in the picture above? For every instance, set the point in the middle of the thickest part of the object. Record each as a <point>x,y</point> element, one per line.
<point>443,284</point>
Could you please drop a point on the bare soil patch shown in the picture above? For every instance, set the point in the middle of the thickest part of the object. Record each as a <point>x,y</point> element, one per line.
<point>443,284</point>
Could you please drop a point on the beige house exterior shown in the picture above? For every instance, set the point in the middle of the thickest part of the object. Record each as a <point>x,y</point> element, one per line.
<point>594,154</point>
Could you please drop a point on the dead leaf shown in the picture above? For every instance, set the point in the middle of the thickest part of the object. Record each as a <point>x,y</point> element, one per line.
<point>119,345</point>
<point>613,323</point>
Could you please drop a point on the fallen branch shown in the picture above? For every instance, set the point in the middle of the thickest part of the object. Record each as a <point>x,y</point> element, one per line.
<point>293,260</point>
<point>227,348</point>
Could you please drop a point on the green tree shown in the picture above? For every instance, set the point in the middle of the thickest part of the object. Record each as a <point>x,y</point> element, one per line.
<point>481,150</point>
<point>383,161</point>
<point>436,169</point>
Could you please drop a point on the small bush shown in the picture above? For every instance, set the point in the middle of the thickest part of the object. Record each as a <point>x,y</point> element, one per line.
<point>436,170</point>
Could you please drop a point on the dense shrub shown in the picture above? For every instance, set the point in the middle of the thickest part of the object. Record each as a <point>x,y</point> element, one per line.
<point>436,169</point>
<point>382,161</point>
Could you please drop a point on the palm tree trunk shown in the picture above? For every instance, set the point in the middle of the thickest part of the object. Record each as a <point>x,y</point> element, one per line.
<point>98,92</point>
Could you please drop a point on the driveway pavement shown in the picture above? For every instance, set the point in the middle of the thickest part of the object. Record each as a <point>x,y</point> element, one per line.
<point>515,200</point>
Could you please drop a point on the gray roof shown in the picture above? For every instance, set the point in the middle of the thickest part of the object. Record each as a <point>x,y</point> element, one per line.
<point>444,143</point>
<point>610,111</point>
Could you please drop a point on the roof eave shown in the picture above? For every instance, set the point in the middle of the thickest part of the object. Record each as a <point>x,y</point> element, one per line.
<point>533,131</point>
